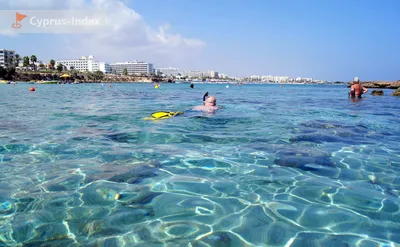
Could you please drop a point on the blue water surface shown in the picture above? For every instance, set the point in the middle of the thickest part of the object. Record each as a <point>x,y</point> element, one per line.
<point>301,165</point>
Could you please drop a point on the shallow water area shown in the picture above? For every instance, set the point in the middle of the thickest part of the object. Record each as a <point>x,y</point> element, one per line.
<point>301,165</point>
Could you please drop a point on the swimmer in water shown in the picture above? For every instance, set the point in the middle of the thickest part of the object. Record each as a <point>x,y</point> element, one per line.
<point>356,89</point>
<point>209,104</point>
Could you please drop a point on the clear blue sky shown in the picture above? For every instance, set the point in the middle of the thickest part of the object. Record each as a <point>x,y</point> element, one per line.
<point>331,40</point>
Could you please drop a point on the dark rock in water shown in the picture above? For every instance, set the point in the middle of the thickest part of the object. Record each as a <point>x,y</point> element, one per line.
<point>51,243</point>
<point>122,172</point>
<point>323,131</point>
<point>221,239</point>
<point>123,137</point>
<point>134,176</point>
<point>300,159</point>
<point>144,196</point>
<point>396,93</point>
<point>377,92</point>
<point>323,124</point>
<point>332,125</point>
<point>316,138</point>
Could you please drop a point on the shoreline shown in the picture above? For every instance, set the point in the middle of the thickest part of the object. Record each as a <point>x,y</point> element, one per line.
<point>78,78</point>
<point>379,84</point>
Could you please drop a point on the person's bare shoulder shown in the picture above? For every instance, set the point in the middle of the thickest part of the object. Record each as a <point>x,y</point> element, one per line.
<point>198,108</point>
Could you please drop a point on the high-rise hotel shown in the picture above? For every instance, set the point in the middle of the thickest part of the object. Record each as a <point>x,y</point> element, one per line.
<point>5,57</point>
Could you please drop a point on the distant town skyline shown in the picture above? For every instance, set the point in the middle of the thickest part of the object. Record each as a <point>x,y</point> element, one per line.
<point>334,40</point>
<point>90,64</point>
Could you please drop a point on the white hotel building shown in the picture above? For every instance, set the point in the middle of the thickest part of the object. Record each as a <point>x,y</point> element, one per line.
<point>168,71</point>
<point>85,64</point>
<point>4,57</point>
<point>133,68</point>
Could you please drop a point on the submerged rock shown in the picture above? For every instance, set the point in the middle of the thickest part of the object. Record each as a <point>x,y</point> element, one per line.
<point>135,176</point>
<point>302,159</point>
<point>377,92</point>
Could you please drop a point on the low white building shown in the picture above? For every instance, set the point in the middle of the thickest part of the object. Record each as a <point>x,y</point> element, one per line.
<point>132,68</point>
<point>85,64</point>
<point>267,78</point>
<point>281,78</point>
<point>194,74</point>
<point>255,77</point>
<point>5,56</point>
<point>307,79</point>
<point>223,76</point>
<point>168,71</point>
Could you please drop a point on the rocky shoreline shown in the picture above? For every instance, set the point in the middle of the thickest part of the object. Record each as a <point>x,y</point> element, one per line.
<point>379,84</point>
<point>87,78</point>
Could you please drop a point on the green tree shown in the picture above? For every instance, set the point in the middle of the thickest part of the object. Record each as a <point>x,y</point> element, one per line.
<point>33,60</point>
<point>2,72</point>
<point>25,61</point>
<point>74,73</point>
<point>10,61</point>
<point>59,67</point>
<point>17,59</point>
<point>7,73</point>
<point>10,72</point>
<point>95,76</point>
<point>52,64</point>
<point>98,75</point>
<point>125,71</point>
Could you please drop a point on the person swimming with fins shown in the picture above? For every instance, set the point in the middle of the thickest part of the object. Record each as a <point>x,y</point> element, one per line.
<point>209,106</point>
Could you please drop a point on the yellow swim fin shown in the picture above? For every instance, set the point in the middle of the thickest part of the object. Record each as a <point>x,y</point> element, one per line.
<point>163,115</point>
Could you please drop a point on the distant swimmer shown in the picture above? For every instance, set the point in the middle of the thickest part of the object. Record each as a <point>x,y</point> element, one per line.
<point>192,85</point>
<point>32,89</point>
<point>209,104</point>
<point>157,85</point>
<point>227,86</point>
<point>357,89</point>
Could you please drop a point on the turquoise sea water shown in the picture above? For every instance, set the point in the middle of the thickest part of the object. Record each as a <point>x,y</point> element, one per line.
<point>301,165</point>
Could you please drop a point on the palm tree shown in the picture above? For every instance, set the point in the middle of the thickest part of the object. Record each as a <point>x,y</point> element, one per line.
<point>52,63</point>
<point>17,58</point>
<point>33,60</point>
<point>10,62</point>
<point>60,67</point>
<point>25,61</point>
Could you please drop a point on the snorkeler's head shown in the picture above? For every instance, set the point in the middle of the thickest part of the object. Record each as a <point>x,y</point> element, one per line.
<point>209,100</point>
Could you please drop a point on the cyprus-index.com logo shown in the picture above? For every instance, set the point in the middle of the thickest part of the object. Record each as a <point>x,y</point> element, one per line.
<point>52,21</point>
